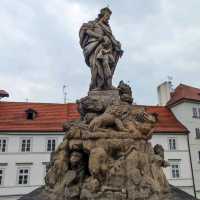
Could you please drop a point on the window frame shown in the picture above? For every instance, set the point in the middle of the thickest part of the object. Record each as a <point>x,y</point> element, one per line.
<point>6,148</point>
<point>178,163</point>
<point>199,156</point>
<point>194,112</point>
<point>50,138</point>
<point>18,174</point>
<point>20,144</point>
<point>3,176</point>
<point>45,167</point>
<point>197,131</point>
<point>169,146</point>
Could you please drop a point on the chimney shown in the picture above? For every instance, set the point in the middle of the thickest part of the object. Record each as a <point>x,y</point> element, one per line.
<point>164,92</point>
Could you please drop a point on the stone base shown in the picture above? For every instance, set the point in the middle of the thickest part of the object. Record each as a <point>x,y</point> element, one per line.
<point>108,96</point>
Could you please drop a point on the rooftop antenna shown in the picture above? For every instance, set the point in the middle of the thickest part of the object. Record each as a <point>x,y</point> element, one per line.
<point>107,4</point>
<point>170,79</point>
<point>65,93</point>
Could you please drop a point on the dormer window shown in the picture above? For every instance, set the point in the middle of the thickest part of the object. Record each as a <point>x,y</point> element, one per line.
<point>31,114</point>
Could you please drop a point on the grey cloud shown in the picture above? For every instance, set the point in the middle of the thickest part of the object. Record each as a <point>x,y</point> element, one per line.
<point>39,47</point>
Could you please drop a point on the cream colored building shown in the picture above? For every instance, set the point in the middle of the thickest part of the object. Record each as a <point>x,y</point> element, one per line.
<point>184,102</point>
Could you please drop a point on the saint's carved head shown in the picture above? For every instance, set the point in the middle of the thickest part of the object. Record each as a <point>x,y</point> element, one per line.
<point>104,15</point>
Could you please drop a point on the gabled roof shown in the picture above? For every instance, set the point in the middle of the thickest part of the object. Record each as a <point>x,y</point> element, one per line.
<point>184,92</point>
<point>167,122</point>
<point>50,117</point>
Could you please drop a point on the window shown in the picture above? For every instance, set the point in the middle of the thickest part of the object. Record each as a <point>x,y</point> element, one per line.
<point>199,155</point>
<point>23,176</point>
<point>175,170</point>
<point>51,144</point>
<point>195,115</point>
<point>3,144</point>
<point>46,167</point>
<point>31,114</point>
<point>1,176</point>
<point>25,145</point>
<point>197,133</point>
<point>172,144</point>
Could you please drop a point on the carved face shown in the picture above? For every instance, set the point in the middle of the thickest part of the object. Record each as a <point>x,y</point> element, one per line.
<point>106,17</point>
<point>75,159</point>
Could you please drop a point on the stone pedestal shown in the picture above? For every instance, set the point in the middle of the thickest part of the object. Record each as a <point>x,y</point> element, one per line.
<point>107,96</point>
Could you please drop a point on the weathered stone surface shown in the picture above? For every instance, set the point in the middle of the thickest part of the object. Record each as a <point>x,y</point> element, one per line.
<point>101,50</point>
<point>96,103</point>
<point>107,160</point>
<point>176,194</point>
<point>103,160</point>
<point>125,92</point>
<point>106,154</point>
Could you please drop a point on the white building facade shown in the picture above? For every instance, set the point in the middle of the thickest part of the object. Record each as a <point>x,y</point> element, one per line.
<point>29,132</point>
<point>184,102</point>
<point>176,153</point>
<point>23,162</point>
<point>189,114</point>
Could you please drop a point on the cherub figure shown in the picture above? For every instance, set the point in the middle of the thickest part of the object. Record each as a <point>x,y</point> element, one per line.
<point>106,59</point>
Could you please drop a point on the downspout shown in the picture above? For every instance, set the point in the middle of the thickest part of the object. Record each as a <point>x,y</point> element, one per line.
<point>194,186</point>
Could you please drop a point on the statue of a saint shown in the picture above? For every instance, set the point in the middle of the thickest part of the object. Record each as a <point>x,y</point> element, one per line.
<point>101,50</point>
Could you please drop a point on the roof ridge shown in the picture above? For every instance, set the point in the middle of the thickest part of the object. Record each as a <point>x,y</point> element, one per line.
<point>185,85</point>
<point>39,103</point>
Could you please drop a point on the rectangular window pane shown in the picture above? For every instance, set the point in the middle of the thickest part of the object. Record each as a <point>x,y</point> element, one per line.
<point>25,145</point>
<point>197,130</point>
<point>1,176</point>
<point>175,170</point>
<point>172,143</point>
<point>194,112</point>
<point>51,144</point>
<point>23,176</point>
<point>3,144</point>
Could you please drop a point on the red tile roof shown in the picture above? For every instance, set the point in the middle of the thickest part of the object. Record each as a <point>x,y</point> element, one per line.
<point>167,122</point>
<point>50,117</point>
<point>184,92</point>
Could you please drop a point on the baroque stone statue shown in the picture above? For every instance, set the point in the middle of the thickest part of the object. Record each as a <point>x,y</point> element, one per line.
<point>101,50</point>
<point>107,153</point>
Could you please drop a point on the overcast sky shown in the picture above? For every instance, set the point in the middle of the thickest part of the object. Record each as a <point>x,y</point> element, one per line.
<point>40,52</point>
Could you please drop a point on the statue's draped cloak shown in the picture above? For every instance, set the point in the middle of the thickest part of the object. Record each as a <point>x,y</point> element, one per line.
<point>91,46</point>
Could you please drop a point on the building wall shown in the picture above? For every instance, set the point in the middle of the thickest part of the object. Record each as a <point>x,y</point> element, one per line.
<point>180,156</point>
<point>35,160</point>
<point>184,113</point>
